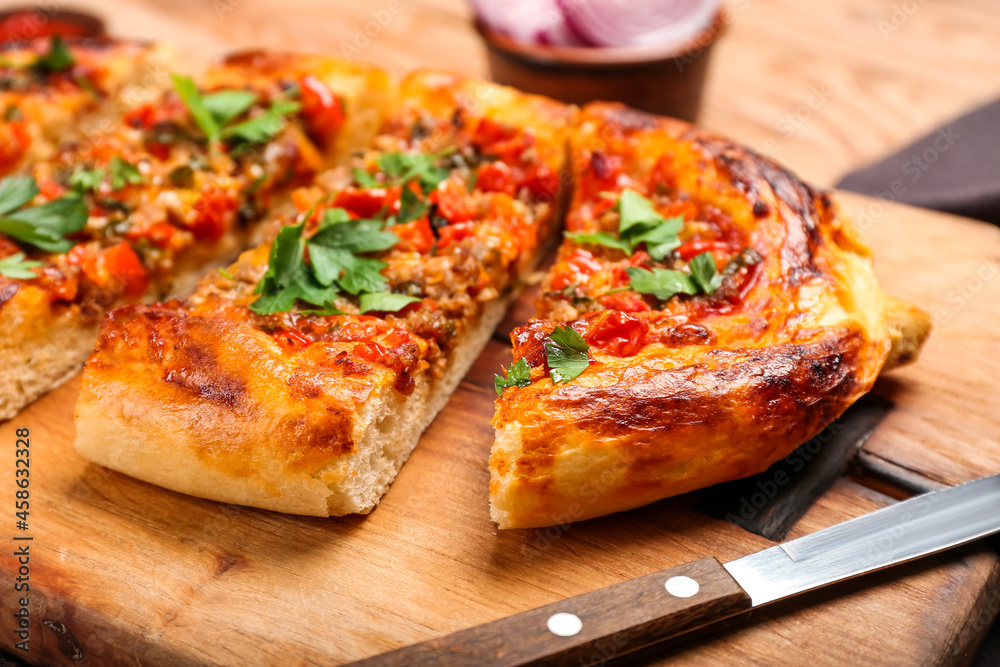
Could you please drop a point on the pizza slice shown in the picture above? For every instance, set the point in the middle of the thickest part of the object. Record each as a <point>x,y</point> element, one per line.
<point>707,313</point>
<point>300,379</point>
<point>140,210</point>
<point>56,88</point>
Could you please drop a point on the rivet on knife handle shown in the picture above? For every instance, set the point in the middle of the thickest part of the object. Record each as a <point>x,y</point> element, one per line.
<point>593,627</point>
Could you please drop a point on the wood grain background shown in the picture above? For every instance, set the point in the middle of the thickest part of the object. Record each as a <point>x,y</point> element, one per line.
<point>130,574</point>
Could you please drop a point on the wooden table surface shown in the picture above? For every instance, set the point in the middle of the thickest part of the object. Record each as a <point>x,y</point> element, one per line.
<point>823,88</point>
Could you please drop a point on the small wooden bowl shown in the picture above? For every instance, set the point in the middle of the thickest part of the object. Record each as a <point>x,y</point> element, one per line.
<point>29,22</point>
<point>662,82</point>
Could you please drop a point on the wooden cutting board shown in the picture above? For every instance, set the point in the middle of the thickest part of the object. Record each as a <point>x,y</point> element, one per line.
<point>125,573</point>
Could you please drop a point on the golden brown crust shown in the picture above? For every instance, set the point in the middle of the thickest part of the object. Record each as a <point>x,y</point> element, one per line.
<point>909,328</point>
<point>772,364</point>
<point>314,414</point>
<point>194,383</point>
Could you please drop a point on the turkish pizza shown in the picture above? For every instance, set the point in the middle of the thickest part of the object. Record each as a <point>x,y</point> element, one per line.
<point>136,209</point>
<point>55,88</point>
<point>300,378</point>
<point>706,314</point>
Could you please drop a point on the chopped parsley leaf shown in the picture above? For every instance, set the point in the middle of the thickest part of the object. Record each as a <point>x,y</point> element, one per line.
<point>517,375</point>
<point>364,179</point>
<point>601,238</point>
<point>638,223</point>
<point>86,180</point>
<point>661,283</point>
<point>336,265</point>
<point>58,59</point>
<point>704,274</point>
<point>215,112</point>
<point>664,283</point>
<point>410,206</point>
<point>16,266</point>
<point>401,168</point>
<point>566,353</point>
<point>388,302</point>
<point>43,226</point>
<point>123,172</point>
<point>289,278</point>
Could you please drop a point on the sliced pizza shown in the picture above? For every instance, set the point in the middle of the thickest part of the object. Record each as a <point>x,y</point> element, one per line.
<point>300,379</point>
<point>707,313</point>
<point>139,210</point>
<point>55,88</point>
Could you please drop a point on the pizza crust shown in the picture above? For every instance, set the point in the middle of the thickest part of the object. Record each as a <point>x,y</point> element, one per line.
<point>41,348</point>
<point>45,344</point>
<point>325,453</point>
<point>815,334</point>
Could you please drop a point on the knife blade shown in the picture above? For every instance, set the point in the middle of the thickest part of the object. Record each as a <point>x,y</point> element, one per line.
<point>610,622</point>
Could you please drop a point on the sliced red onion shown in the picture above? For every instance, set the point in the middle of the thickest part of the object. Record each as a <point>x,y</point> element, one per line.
<point>664,23</point>
<point>529,21</point>
<point>622,23</point>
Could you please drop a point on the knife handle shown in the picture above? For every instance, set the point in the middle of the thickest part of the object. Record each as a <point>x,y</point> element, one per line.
<point>591,628</point>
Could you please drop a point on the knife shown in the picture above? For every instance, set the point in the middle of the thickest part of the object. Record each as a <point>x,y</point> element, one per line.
<point>614,621</point>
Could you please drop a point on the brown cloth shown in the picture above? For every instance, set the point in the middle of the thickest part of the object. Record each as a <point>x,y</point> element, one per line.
<point>955,169</point>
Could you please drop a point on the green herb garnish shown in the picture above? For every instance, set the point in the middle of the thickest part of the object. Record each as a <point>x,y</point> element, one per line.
<point>364,179</point>
<point>704,274</point>
<point>58,59</point>
<point>334,251</point>
<point>410,206</point>
<point>601,238</point>
<point>389,302</point>
<point>289,279</point>
<point>664,283</point>
<point>43,226</point>
<point>566,354</point>
<point>86,180</point>
<point>123,172</point>
<point>225,105</point>
<point>215,112</point>
<point>638,223</point>
<point>262,128</point>
<point>195,103</point>
<point>337,265</point>
<point>15,192</point>
<point>16,266</point>
<point>517,375</point>
<point>661,283</point>
<point>401,168</point>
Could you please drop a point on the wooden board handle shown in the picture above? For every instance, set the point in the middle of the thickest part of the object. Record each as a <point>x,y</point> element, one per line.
<point>591,628</point>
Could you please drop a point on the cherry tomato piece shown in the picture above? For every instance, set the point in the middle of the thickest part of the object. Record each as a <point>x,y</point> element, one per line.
<point>618,333</point>
<point>370,202</point>
<point>417,233</point>
<point>454,233</point>
<point>125,270</point>
<point>215,213</point>
<point>455,204</point>
<point>322,111</point>
<point>291,340</point>
<point>627,302</point>
<point>496,177</point>
<point>692,249</point>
